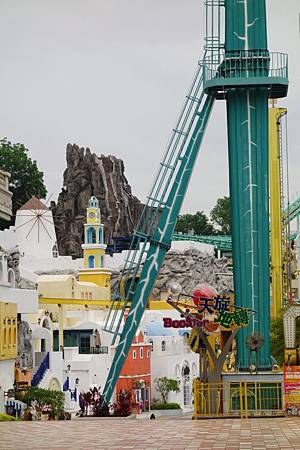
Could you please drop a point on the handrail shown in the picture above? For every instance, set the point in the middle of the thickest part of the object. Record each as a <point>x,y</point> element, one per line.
<point>39,374</point>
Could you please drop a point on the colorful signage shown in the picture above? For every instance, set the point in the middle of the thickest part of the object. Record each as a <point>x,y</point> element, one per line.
<point>190,322</point>
<point>292,390</point>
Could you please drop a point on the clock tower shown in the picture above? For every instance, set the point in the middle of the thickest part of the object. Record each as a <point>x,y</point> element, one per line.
<point>94,248</point>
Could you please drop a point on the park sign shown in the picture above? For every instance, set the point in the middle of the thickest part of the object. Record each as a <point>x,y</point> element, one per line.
<point>208,314</point>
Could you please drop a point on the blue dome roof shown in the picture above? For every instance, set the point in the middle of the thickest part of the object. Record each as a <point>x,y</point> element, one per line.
<point>155,328</point>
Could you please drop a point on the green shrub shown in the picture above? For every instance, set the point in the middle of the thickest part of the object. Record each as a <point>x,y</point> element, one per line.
<point>46,400</point>
<point>164,406</point>
<point>7,418</point>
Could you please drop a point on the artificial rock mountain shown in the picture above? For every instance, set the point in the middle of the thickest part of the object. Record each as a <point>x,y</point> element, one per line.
<point>102,176</point>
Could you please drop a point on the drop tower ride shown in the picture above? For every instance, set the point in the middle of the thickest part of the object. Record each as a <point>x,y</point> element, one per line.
<point>245,74</point>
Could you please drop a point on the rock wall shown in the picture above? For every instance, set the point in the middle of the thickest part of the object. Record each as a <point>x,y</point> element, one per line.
<point>102,176</point>
<point>191,267</point>
<point>25,345</point>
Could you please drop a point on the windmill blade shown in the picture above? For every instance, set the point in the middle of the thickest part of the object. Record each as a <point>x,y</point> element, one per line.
<point>31,228</point>
<point>41,220</point>
<point>25,223</point>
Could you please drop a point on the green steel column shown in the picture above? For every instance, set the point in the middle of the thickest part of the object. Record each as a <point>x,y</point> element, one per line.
<point>158,247</point>
<point>247,121</point>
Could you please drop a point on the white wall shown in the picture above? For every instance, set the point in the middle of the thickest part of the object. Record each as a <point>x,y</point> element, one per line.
<point>26,299</point>
<point>7,375</point>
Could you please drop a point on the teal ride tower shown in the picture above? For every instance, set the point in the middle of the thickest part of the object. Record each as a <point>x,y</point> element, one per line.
<point>247,77</point>
<point>241,71</point>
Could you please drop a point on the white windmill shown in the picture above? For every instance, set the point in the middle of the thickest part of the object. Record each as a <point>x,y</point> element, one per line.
<point>34,230</point>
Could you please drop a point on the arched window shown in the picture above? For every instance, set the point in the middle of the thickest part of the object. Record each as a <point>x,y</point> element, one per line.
<point>151,343</point>
<point>185,369</point>
<point>91,261</point>
<point>101,235</point>
<point>11,278</point>
<point>141,352</point>
<point>163,346</point>
<point>177,371</point>
<point>102,261</point>
<point>54,251</point>
<point>133,354</point>
<point>91,235</point>
<point>5,336</point>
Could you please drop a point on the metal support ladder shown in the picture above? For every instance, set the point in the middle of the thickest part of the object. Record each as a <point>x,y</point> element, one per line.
<point>153,234</point>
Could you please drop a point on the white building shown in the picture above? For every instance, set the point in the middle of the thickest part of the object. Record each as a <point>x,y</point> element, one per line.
<point>26,302</point>
<point>171,356</point>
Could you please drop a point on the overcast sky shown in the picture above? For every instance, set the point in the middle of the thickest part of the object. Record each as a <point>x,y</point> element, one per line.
<point>112,75</point>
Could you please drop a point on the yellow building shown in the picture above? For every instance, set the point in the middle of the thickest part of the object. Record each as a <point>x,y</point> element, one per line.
<point>8,331</point>
<point>94,248</point>
<point>62,293</point>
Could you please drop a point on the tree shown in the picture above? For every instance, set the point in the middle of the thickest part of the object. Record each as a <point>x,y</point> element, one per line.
<point>26,180</point>
<point>220,214</point>
<point>198,223</point>
<point>277,340</point>
<point>46,400</point>
<point>165,385</point>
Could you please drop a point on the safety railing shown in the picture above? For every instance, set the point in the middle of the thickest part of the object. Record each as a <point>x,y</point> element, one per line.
<point>103,349</point>
<point>246,64</point>
<point>237,399</point>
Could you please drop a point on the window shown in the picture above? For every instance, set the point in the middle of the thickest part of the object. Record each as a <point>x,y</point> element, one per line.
<point>54,251</point>
<point>141,352</point>
<point>163,346</point>
<point>148,353</point>
<point>11,278</point>
<point>5,336</point>
<point>101,235</point>
<point>133,354</point>
<point>84,344</point>
<point>102,261</point>
<point>91,261</point>
<point>15,336</point>
<point>91,235</point>
<point>151,343</point>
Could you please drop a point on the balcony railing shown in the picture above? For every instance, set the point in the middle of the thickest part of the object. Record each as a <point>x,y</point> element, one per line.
<point>245,64</point>
<point>94,350</point>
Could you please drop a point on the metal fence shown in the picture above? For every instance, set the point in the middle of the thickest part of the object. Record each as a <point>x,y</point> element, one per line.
<point>243,63</point>
<point>238,399</point>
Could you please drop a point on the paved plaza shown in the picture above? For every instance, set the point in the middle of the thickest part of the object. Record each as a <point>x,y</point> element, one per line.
<point>92,434</point>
